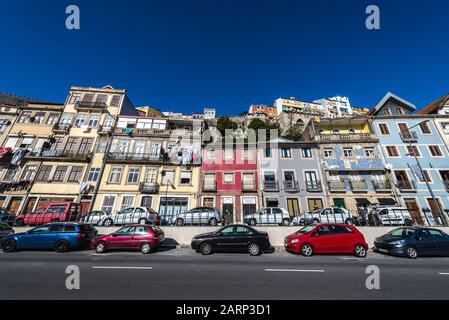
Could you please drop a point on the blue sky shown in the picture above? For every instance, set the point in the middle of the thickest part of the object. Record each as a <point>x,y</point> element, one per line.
<point>183,55</point>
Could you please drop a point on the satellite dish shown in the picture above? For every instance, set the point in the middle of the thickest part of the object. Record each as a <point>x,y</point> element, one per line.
<point>388,166</point>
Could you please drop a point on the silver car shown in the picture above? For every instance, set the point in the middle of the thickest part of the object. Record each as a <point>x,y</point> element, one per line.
<point>133,215</point>
<point>95,217</point>
<point>198,216</point>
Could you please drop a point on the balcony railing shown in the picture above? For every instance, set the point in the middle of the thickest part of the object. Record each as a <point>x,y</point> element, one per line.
<point>104,130</point>
<point>142,132</point>
<point>337,186</point>
<point>359,186</point>
<point>210,186</point>
<point>408,136</point>
<point>382,186</point>
<point>291,186</point>
<point>61,127</point>
<point>65,155</point>
<point>248,186</point>
<point>140,157</point>
<point>146,187</point>
<point>270,186</point>
<point>89,105</point>
<point>314,186</point>
<point>345,137</point>
<point>405,185</point>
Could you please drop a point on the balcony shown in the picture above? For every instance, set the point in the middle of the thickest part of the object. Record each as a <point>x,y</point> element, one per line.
<point>382,186</point>
<point>49,154</point>
<point>249,186</point>
<point>210,186</point>
<point>102,130</point>
<point>345,137</point>
<point>337,186</point>
<point>408,136</point>
<point>61,128</point>
<point>270,186</point>
<point>142,132</point>
<point>314,186</point>
<point>406,186</point>
<point>91,106</point>
<point>146,187</point>
<point>135,157</point>
<point>359,186</point>
<point>291,186</point>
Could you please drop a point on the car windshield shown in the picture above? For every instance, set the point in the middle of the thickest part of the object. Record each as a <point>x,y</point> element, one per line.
<point>401,232</point>
<point>306,229</point>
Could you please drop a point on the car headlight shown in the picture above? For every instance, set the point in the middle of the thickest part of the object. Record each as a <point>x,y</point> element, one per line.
<point>294,241</point>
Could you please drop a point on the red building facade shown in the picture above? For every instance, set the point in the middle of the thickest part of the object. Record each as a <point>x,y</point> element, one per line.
<point>230,181</point>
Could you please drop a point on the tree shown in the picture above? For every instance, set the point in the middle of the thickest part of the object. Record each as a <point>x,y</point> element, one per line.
<point>295,132</point>
<point>224,123</point>
<point>258,124</point>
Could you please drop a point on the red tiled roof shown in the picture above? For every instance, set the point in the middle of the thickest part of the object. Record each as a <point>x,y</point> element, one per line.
<point>434,105</point>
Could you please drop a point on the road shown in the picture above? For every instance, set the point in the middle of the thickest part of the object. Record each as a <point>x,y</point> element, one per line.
<point>180,274</point>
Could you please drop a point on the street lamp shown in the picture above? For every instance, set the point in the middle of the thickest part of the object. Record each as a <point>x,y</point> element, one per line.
<point>440,211</point>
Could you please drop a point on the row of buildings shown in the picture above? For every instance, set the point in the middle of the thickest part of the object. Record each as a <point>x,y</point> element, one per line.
<point>98,149</point>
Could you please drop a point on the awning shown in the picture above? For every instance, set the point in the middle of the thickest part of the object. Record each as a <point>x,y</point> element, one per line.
<point>387,201</point>
<point>362,201</point>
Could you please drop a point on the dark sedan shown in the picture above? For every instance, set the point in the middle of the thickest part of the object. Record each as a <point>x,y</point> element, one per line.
<point>5,230</point>
<point>232,238</point>
<point>413,242</point>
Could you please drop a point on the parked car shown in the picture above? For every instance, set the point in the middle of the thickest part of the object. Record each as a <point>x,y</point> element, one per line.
<point>327,238</point>
<point>201,215</point>
<point>5,230</point>
<point>142,237</point>
<point>393,216</point>
<point>278,216</point>
<point>413,242</point>
<point>60,237</point>
<point>133,215</point>
<point>7,216</point>
<point>95,217</point>
<point>367,219</point>
<point>53,212</point>
<point>296,220</point>
<point>327,215</point>
<point>232,238</point>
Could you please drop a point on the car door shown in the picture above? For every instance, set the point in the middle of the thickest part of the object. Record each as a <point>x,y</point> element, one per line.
<point>277,215</point>
<point>343,239</point>
<point>265,217</point>
<point>122,238</point>
<point>323,239</point>
<point>195,215</point>
<point>441,242</point>
<point>326,215</point>
<point>50,237</point>
<point>225,240</point>
<point>243,236</point>
<point>338,216</point>
<point>131,216</point>
<point>140,236</point>
<point>425,244</point>
<point>138,214</point>
<point>33,238</point>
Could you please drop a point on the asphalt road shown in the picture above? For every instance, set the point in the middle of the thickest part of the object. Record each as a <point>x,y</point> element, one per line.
<point>179,274</point>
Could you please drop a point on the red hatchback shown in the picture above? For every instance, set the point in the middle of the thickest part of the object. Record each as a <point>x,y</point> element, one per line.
<point>327,238</point>
<point>142,237</point>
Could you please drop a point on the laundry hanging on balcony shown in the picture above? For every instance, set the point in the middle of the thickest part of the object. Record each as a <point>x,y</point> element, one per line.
<point>18,156</point>
<point>5,152</point>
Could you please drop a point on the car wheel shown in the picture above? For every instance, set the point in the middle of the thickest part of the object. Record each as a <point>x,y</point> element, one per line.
<point>61,246</point>
<point>145,248</point>
<point>206,248</point>
<point>143,221</point>
<point>252,222</point>
<point>213,222</point>
<point>19,223</point>
<point>307,250</point>
<point>100,247</point>
<point>360,251</point>
<point>179,222</point>
<point>286,222</point>
<point>349,222</point>
<point>254,249</point>
<point>411,253</point>
<point>108,222</point>
<point>10,245</point>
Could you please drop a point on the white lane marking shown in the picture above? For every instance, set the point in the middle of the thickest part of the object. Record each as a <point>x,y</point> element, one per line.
<point>131,268</point>
<point>444,273</point>
<point>292,270</point>
<point>350,259</point>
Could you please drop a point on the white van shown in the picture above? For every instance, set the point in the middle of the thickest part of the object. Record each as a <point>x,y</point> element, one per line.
<point>393,216</point>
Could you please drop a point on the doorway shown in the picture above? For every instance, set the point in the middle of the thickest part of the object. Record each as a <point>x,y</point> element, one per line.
<point>340,203</point>
<point>293,206</point>
<point>228,209</point>
<point>413,209</point>
<point>435,211</point>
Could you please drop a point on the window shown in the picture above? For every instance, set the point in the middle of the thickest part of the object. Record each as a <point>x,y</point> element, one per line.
<point>133,175</point>
<point>169,177</point>
<point>228,177</point>
<point>102,98</point>
<point>399,110</point>
<point>93,121</point>
<point>306,153</point>
<point>88,97</point>
<point>141,231</point>
<point>10,174</point>
<point>369,152</point>
<point>151,175</point>
<point>66,118</point>
<point>268,152</point>
<point>85,146</point>
<point>229,154</point>
<point>116,175</point>
<point>269,176</point>
<point>108,203</point>
<point>392,151</point>
<point>210,154</point>
<point>71,145</point>
<point>383,127</point>
<point>94,174</point>
<point>425,128</point>
<point>75,174</point>
<point>209,181</point>
<point>247,154</point>
<point>25,117</point>
<point>39,117</point>
<point>445,127</point>
<point>80,120</point>
<point>53,118</point>
<point>108,122</point>
<point>115,101</point>
<point>413,151</point>
<point>60,173</point>
<point>328,153</point>
<point>425,177</point>
<point>186,177</point>
<point>435,151</point>
<point>347,152</point>
<point>127,202</point>
<point>248,180</point>
<point>286,153</point>
<point>29,172</point>
<point>102,143</point>
<point>386,112</point>
<point>75,97</point>
<point>44,173</point>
